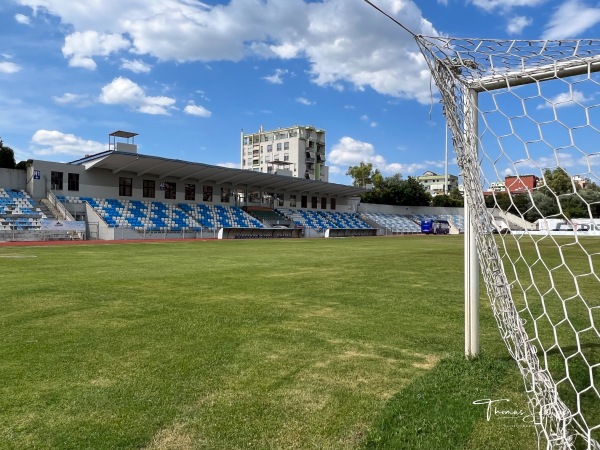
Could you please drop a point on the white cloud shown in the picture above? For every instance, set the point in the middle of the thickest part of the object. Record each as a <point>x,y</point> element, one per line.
<point>517,24</point>
<point>571,19</point>
<point>287,50</point>
<point>9,67</point>
<point>276,78</point>
<point>565,99</point>
<point>80,47</point>
<point>22,19</point>
<point>351,152</point>
<point>68,99</point>
<point>365,118</point>
<point>46,142</point>
<point>590,160</point>
<point>305,101</point>
<point>195,110</point>
<point>346,44</point>
<point>364,49</point>
<point>137,66</point>
<point>123,91</point>
<point>562,159</point>
<point>230,165</point>
<point>490,5</point>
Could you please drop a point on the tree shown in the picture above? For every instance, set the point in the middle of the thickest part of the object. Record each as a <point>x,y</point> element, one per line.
<point>454,199</point>
<point>363,174</point>
<point>7,157</point>
<point>558,181</point>
<point>415,193</point>
<point>396,191</point>
<point>457,197</point>
<point>545,206</point>
<point>498,200</point>
<point>442,200</point>
<point>22,165</point>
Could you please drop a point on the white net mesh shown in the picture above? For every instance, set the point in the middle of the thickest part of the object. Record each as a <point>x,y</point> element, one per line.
<point>525,122</point>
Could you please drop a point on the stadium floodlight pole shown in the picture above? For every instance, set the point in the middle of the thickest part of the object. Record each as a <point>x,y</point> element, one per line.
<point>471,261</point>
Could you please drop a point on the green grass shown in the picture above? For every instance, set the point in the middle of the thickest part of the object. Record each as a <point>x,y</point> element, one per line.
<point>556,290</point>
<point>324,344</point>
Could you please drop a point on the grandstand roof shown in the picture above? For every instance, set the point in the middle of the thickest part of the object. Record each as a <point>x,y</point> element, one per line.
<point>118,161</point>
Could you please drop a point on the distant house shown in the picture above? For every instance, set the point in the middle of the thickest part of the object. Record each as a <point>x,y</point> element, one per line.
<point>499,186</point>
<point>520,184</point>
<point>435,183</point>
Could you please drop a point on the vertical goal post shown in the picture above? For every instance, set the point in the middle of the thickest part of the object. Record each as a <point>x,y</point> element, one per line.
<point>529,111</point>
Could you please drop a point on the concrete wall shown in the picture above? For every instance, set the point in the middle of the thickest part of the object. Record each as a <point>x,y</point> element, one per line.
<point>13,179</point>
<point>406,210</point>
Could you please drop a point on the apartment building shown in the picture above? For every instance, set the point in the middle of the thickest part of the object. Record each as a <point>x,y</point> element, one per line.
<point>435,183</point>
<point>297,151</point>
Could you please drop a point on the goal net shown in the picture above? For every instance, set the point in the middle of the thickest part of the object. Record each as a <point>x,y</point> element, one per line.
<point>525,123</point>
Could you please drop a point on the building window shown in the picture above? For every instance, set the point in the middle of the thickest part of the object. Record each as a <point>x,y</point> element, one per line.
<point>190,192</point>
<point>149,188</point>
<point>73,181</point>
<point>278,146</point>
<point>323,202</point>
<point>303,201</point>
<point>207,192</point>
<point>286,157</point>
<point>286,145</point>
<point>125,187</point>
<point>170,190</point>
<point>56,181</point>
<point>314,201</point>
<point>269,147</point>
<point>332,202</point>
<point>225,195</point>
<point>292,201</point>
<point>270,169</point>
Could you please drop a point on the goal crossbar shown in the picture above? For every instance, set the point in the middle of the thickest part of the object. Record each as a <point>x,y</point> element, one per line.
<point>563,69</point>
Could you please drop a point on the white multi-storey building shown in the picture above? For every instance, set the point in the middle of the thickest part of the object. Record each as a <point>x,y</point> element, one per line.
<point>297,151</point>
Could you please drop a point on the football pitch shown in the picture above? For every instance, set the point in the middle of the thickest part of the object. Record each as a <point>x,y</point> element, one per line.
<point>271,344</point>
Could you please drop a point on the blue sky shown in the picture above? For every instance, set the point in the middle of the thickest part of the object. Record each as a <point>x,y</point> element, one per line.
<point>188,76</point>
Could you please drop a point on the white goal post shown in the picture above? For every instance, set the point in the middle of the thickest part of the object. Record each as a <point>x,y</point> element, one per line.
<point>525,124</point>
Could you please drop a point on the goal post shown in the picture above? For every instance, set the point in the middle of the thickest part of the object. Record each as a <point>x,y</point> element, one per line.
<point>524,118</point>
<point>471,260</point>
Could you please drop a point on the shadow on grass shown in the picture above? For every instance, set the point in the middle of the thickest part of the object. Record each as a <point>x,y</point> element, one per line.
<point>437,411</point>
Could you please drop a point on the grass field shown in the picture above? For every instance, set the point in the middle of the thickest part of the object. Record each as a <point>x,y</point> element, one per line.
<point>276,344</point>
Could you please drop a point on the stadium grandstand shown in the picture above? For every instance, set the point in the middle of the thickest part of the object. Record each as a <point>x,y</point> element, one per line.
<point>121,194</point>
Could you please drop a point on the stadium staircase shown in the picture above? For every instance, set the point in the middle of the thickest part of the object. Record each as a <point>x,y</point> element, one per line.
<point>270,218</point>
